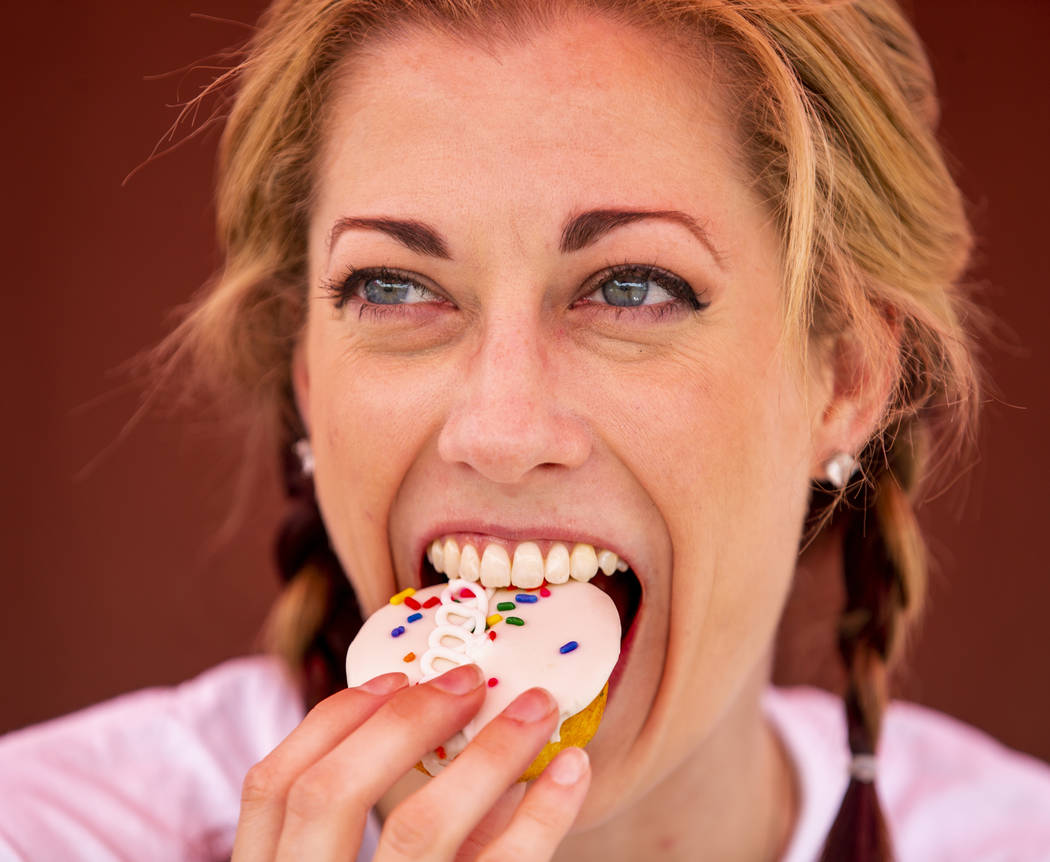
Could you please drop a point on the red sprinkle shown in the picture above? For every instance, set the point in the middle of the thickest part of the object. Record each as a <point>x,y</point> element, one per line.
<point>492,635</point>
<point>466,593</point>
<point>412,603</point>
<point>543,592</point>
<point>493,682</point>
<point>440,752</point>
<point>433,600</point>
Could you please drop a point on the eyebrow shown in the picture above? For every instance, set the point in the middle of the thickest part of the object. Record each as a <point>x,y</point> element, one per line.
<point>580,231</point>
<point>413,235</point>
<point>586,228</point>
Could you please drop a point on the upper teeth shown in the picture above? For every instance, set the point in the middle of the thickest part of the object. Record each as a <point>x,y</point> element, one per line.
<point>526,569</point>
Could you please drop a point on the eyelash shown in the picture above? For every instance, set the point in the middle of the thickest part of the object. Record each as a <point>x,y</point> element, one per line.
<point>342,290</point>
<point>676,286</point>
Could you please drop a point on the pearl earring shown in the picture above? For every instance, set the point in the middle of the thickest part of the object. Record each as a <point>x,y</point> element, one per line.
<point>305,453</point>
<point>839,468</point>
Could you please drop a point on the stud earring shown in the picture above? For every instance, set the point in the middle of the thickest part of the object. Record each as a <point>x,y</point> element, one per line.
<point>839,468</point>
<point>305,452</point>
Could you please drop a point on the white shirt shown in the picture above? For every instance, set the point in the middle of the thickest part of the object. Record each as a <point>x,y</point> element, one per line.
<point>157,775</point>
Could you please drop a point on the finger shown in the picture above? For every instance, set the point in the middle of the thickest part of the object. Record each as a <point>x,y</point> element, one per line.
<point>435,821</point>
<point>547,813</point>
<point>267,783</point>
<point>328,804</point>
<point>492,824</point>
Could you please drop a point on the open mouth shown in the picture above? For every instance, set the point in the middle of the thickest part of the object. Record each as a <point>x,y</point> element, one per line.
<point>533,565</point>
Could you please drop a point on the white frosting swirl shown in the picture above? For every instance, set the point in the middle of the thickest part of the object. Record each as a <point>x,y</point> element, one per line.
<point>468,631</point>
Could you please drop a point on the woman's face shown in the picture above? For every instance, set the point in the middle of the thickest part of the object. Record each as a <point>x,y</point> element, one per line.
<point>532,368</point>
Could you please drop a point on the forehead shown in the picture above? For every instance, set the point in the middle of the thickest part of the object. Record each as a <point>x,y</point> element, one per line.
<point>586,112</point>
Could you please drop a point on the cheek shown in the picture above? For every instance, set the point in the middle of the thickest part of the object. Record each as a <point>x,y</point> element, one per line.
<point>369,418</point>
<point>733,484</point>
<point>751,514</point>
<point>739,547</point>
<point>724,455</point>
<point>711,432</point>
<point>369,410</point>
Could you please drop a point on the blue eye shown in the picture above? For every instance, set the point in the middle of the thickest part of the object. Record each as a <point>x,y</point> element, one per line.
<point>391,291</point>
<point>380,286</point>
<point>624,292</point>
<point>632,286</point>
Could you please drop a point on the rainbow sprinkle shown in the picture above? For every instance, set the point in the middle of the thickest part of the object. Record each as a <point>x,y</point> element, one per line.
<point>412,603</point>
<point>544,592</point>
<point>401,596</point>
<point>396,633</point>
<point>492,620</point>
<point>526,599</point>
<point>413,617</point>
<point>440,752</point>
<point>493,682</point>
<point>515,621</point>
<point>409,656</point>
<point>569,647</point>
<point>431,602</point>
<point>492,636</point>
<point>505,606</point>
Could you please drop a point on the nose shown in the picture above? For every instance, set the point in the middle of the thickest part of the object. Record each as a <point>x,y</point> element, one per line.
<point>508,417</point>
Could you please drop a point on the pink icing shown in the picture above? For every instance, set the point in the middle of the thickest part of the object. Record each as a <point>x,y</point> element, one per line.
<point>520,657</point>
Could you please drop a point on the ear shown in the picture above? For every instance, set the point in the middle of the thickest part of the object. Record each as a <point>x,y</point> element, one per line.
<point>857,383</point>
<point>301,383</point>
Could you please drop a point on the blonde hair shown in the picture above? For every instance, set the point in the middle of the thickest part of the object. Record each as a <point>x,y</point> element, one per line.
<point>837,114</point>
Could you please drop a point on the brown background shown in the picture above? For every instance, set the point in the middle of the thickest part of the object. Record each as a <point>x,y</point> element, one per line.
<point>116,573</point>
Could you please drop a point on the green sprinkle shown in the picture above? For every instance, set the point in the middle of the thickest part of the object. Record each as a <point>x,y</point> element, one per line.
<point>514,621</point>
<point>506,606</point>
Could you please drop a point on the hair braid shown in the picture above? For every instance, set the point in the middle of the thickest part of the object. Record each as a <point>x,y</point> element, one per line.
<point>884,572</point>
<point>316,615</point>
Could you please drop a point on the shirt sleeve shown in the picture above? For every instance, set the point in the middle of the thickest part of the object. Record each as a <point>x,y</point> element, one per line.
<point>955,794</point>
<point>950,792</point>
<point>155,774</point>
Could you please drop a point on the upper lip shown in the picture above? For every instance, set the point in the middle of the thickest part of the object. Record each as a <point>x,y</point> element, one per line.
<point>531,532</point>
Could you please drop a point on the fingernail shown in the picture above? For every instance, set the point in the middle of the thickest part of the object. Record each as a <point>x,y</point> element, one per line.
<point>532,705</point>
<point>385,683</point>
<point>568,767</point>
<point>459,680</point>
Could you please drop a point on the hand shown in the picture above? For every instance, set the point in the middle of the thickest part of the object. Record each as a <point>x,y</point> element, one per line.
<point>310,797</point>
